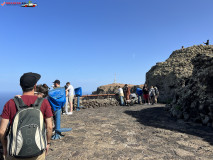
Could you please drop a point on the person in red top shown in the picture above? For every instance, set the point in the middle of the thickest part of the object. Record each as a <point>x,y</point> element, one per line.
<point>28,84</point>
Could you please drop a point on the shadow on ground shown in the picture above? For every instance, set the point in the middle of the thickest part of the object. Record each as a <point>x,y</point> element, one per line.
<point>159,118</point>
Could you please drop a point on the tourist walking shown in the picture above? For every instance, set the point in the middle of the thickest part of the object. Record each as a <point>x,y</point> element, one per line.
<point>69,98</point>
<point>121,95</point>
<point>146,94</point>
<point>26,114</point>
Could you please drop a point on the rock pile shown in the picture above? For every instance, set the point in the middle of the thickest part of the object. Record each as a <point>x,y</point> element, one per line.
<point>95,103</point>
<point>184,81</point>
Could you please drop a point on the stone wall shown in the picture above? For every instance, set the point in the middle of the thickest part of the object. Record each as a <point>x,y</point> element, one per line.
<point>95,103</point>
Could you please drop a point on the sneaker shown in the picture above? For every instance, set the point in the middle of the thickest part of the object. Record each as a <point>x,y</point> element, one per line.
<point>69,113</point>
<point>64,113</point>
<point>149,103</point>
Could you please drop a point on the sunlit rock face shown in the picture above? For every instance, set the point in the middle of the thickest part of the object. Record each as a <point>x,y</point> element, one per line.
<point>185,83</point>
<point>176,71</point>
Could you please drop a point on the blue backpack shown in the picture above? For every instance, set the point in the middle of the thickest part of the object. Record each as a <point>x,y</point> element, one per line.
<point>57,98</point>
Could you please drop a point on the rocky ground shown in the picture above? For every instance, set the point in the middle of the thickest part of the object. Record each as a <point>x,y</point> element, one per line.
<point>136,132</point>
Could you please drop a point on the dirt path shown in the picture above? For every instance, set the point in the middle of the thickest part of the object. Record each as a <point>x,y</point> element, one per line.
<point>137,132</point>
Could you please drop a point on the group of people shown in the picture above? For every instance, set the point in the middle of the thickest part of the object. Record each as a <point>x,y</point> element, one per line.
<point>124,94</point>
<point>147,96</point>
<point>30,113</point>
<point>42,91</point>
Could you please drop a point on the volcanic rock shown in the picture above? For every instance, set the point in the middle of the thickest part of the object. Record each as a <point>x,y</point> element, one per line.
<point>184,81</point>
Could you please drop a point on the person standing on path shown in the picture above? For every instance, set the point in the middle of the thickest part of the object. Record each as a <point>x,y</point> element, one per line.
<point>156,94</point>
<point>152,95</point>
<point>70,98</point>
<point>127,93</point>
<point>12,109</point>
<point>146,94</point>
<point>56,84</point>
<point>121,94</point>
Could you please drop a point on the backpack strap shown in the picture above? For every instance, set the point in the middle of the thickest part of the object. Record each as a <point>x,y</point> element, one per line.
<point>38,102</point>
<point>19,103</point>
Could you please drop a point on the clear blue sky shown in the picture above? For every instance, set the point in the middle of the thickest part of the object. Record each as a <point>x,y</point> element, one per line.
<point>87,41</point>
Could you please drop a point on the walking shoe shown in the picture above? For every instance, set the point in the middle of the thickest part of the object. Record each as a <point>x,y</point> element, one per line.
<point>69,113</point>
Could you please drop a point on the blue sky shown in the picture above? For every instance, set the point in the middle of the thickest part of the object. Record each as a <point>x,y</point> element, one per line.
<point>87,41</point>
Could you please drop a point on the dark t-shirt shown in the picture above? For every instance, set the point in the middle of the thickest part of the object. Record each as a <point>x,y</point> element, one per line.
<point>145,90</point>
<point>10,109</point>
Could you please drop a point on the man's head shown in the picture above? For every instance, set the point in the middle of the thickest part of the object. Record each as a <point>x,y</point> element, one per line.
<point>68,83</point>
<point>28,81</point>
<point>56,83</point>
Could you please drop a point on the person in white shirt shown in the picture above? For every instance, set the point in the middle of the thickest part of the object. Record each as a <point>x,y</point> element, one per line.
<point>70,97</point>
<point>121,94</point>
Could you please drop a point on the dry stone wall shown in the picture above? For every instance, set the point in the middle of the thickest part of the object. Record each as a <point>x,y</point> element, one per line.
<point>95,103</point>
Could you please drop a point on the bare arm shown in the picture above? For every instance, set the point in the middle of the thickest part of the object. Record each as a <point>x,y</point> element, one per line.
<point>49,131</point>
<point>3,127</point>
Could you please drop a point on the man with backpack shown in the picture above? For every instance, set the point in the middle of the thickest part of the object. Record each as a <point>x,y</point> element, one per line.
<point>152,95</point>
<point>30,117</point>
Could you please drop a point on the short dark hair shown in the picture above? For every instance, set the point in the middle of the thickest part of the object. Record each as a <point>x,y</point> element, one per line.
<point>27,89</point>
<point>68,83</point>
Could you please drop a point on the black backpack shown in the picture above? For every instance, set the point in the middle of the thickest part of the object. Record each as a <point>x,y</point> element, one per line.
<point>27,135</point>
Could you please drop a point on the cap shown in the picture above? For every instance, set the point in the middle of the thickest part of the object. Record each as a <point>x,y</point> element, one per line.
<point>57,81</point>
<point>29,79</point>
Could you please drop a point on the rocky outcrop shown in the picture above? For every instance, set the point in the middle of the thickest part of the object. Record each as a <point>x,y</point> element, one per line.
<point>194,100</point>
<point>176,71</point>
<point>112,88</point>
<point>184,81</point>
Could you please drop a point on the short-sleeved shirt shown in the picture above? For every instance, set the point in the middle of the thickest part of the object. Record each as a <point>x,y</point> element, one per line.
<point>70,90</point>
<point>10,109</point>
<point>120,91</point>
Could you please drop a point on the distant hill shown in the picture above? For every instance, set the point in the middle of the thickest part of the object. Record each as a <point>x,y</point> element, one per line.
<point>112,88</point>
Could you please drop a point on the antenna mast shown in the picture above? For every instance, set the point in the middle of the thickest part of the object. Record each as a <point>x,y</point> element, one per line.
<point>115,78</point>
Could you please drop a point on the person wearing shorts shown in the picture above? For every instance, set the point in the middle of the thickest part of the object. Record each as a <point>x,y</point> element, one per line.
<point>70,97</point>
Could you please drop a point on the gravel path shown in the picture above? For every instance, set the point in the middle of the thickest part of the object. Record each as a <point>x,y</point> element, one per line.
<point>136,132</point>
